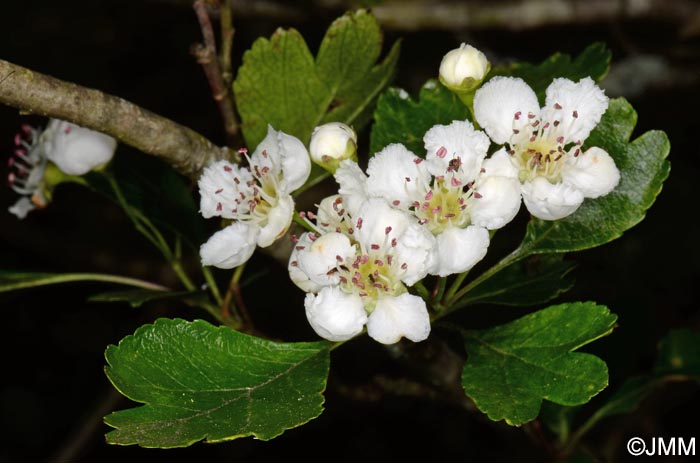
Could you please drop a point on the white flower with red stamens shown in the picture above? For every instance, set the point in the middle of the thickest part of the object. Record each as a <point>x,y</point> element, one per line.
<point>256,198</point>
<point>452,192</point>
<point>358,274</point>
<point>73,149</point>
<point>543,145</point>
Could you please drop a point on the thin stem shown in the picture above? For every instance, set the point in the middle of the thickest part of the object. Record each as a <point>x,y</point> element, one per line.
<point>300,221</point>
<point>75,277</point>
<point>235,289</point>
<point>211,284</point>
<point>506,261</point>
<point>151,232</point>
<point>439,289</point>
<point>206,56</point>
<point>227,33</point>
<point>422,291</point>
<point>455,285</point>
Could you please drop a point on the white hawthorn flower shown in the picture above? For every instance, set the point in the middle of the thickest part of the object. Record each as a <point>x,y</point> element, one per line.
<point>332,143</point>
<point>73,149</point>
<point>452,192</point>
<point>256,198</point>
<point>356,268</point>
<point>463,68</point>
<point>543,145</point>
<point>76,150</point>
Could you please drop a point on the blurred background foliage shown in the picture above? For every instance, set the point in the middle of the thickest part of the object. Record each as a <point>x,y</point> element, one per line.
<point>377,407</point>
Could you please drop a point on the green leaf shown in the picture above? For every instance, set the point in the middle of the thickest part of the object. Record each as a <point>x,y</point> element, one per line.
<point>511,368</point>
<point>138,297</point>
<point>401,119</point>
<point>679,353</point>
<point>594,61</point>
<point>643,169</point>
<point>281,84</point>
<point>199,381</point>
<point>13,281</point>
<point>534,281</point>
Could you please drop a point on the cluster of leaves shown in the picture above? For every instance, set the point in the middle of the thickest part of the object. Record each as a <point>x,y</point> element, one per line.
<point>198,381</point>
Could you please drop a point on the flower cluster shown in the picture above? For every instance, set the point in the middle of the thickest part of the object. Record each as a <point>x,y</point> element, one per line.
<point>74,150</point>
<point>356,267</point>
<point>410,216</point>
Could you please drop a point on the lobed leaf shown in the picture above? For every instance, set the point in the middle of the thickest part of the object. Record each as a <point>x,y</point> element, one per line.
<point>511,368</point>
<point>198,381</point>
<point>281,84</point>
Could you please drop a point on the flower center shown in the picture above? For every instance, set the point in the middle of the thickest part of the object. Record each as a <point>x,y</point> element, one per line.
<point>539,149</point>
<point>370,275</point>
<point>444,205</point>
<point>254,193</point>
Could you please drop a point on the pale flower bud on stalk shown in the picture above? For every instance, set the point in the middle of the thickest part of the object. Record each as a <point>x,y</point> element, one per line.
<point>332,143</point>
<point>463,69</point>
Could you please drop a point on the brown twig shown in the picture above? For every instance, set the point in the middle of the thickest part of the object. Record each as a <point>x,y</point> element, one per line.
<point>227,33</point>
<point>206,56</point>
<point>186,150</point>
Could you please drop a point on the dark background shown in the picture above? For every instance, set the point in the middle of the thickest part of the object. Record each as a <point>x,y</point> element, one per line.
<point>377,407</point>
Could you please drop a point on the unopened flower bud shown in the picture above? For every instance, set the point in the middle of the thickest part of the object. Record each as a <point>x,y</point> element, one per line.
<point>332,143</point>
<point>463,68</point>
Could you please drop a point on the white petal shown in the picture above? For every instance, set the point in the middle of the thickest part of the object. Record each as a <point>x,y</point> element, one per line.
<point>584,97</point>
<point>459,249</point>
<point>335,315</point>
<point>22,207</point>
<point>443,143</point>
<point>279,218</point>
<point>298,276</point>
<point>230,247</point>
<point>327,218</point>
<point>417,248</point>
<point>498,101</point>
<point>285,156</point>
<point>548,201</point>
<point>319,260</point>
<point>593,173</point>
<point>499,202</point>
<point>380,223</point>
<point>500,164</point>
<point>353,185</point>
<point>296,164</point>
<point>219,191</point>
<point>77,150</point>
<point>395,176</point>
<point>396,317</point>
